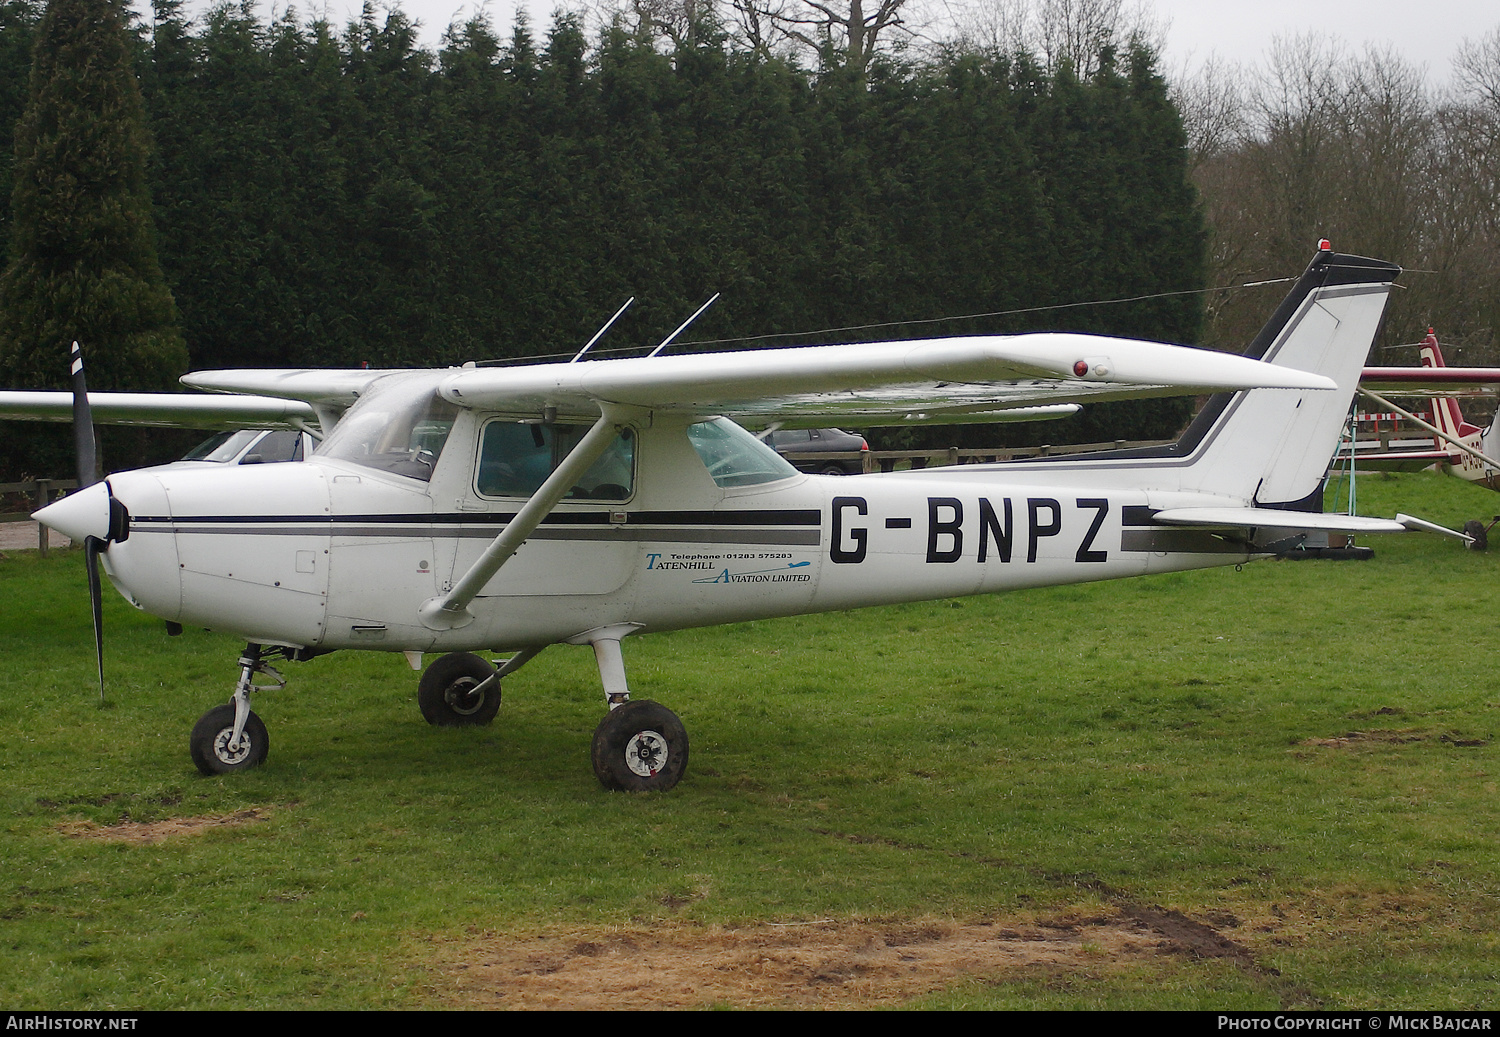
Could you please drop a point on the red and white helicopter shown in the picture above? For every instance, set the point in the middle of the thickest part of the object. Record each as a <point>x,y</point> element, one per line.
<point>509,509</point>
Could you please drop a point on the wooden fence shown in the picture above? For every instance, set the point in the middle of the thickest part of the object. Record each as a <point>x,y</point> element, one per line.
<point>42,491</point>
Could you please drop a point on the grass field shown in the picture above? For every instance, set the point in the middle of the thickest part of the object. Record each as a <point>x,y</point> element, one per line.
<point>1271,788</point>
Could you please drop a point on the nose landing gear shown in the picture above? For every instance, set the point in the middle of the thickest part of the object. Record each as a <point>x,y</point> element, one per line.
<point>231,738</point>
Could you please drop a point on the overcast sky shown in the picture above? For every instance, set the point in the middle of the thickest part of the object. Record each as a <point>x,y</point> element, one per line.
<point>1423,31</point>
<point>1426,32</point>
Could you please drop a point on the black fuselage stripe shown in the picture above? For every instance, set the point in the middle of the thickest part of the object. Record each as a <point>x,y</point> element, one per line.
<point>810,517</point>
<point>611,534</point>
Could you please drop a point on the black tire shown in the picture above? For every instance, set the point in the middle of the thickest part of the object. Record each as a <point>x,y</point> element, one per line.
<point>640,747</point>
<point>209,742</point>
<point>446,696</point>
<point>1475,529</point>
<point>832,469</point>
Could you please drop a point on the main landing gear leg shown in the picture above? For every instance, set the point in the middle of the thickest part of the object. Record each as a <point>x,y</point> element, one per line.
<point>231,738</point>
<point>640,745</point>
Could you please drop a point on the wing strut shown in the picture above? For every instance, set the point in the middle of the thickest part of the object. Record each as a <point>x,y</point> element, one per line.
<point>451,610</point>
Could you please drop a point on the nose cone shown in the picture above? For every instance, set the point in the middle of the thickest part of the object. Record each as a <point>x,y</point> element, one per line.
<point>84,513</point>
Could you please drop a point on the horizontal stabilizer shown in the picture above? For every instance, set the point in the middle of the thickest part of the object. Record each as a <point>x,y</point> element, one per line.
<point>1276,518</point>
<point>1432,527</point>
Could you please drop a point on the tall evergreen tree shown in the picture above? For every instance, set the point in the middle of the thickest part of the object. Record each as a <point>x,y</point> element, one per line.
<point>83,258</point>
<point>18,23</point>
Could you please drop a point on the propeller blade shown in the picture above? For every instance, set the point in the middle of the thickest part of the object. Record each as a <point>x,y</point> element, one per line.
<point>91,548</point>
<point>83,424</point>
<point>84,445</point>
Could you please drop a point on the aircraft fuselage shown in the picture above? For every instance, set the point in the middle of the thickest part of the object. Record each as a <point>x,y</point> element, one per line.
<point>327,554</point>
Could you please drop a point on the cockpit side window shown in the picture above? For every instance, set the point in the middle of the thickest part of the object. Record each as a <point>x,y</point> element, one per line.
<point>515,458</point>
<point>284,445</point>
<point>734,457</point>
<point>221,446</point>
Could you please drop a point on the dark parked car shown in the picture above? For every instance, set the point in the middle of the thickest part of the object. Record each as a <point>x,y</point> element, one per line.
<point>799,445</point>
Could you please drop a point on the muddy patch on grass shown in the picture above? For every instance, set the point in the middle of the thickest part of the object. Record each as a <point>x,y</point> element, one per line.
<point>1354,740</point>
<point>824,964</point>
<point>147,832</point>
<point>1362,739</point>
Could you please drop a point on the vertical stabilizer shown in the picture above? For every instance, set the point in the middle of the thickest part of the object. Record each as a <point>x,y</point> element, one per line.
<point>1267,448</point>
<point>1273,447</point>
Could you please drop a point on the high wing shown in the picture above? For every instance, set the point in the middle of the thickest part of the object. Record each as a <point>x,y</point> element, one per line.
<point>969,379</point>
<point>1433,378</point>
<point>168,410</point>
<point>1432,381</point>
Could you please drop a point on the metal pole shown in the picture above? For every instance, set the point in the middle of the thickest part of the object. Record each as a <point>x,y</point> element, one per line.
<point>43,498</point>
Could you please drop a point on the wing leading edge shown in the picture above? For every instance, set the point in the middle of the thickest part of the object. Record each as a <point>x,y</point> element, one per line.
<point>935,380</point>
<point>161,409</point>
<point>952,380</point>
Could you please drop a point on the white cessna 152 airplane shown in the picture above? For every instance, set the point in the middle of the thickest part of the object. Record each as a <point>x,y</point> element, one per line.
<point>508,509</point>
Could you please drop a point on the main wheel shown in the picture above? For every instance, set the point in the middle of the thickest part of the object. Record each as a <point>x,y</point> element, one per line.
<point>640,747</point>
<point>1481,535</point>
<point>209,743</point>
<point>447,692</point>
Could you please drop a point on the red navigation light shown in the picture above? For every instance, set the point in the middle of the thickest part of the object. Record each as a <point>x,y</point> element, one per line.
<point>1324,245</point>
<point>1081,368</point>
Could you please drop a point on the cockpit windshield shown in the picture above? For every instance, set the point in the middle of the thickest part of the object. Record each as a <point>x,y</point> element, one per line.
<point>400,427</point>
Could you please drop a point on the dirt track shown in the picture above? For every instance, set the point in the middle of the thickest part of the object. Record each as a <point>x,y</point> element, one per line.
<point>20,536</point>
<point>821,964</point>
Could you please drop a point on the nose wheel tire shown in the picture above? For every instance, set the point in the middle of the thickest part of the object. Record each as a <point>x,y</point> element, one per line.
<point>640,747</point>
<point>210,747</point>
<point>447,692</point>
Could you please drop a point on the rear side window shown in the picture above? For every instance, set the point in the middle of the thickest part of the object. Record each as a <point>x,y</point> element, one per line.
<point>734,457</point>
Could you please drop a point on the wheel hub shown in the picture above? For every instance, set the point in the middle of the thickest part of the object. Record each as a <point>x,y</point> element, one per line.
<point>461,698</point>
<point>231,754</point>
<point>646,753</point>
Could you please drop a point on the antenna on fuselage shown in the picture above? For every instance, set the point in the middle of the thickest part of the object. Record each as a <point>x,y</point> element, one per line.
<point>600,333</point>
<point>683,327</point>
